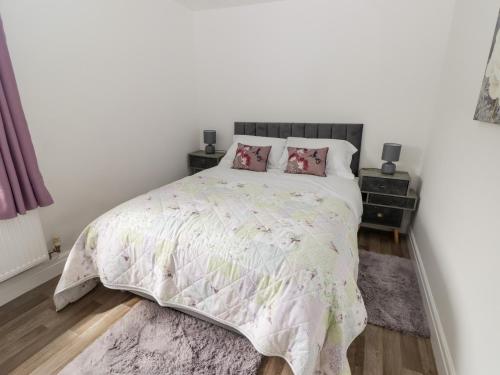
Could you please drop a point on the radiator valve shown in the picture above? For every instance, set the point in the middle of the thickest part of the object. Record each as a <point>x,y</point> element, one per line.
<point>56,246</point>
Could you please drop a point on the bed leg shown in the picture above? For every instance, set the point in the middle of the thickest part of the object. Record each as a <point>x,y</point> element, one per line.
<point>396,236</point>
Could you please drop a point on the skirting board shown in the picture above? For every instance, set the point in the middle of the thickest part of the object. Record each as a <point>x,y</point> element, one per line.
<point>444,361</point>
<point>18,285</point>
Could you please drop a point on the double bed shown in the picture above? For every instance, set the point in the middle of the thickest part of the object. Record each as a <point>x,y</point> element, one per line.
<point>270,255</point>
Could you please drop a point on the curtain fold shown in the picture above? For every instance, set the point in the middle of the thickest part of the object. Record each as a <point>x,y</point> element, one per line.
<point>21,183</point>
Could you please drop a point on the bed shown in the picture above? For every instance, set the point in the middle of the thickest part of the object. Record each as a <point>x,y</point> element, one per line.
<point>270,255</point>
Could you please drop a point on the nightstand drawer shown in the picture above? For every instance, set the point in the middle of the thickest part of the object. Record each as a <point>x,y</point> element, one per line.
<point>391,200</point>
<point>201,162</point>
<point>384,185</point>
<point>382,215</point>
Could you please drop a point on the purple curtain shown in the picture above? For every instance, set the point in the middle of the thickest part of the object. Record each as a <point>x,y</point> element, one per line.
<point>21,183</point>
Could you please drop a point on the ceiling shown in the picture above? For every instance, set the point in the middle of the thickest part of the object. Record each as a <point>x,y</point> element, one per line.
<point>211,4</point>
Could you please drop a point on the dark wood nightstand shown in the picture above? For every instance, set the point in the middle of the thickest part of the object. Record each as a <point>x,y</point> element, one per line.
<point>388,201</point>
<point>200,160</point>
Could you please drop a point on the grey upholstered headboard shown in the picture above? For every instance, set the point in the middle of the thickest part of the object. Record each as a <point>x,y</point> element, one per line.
<point>348,132</point>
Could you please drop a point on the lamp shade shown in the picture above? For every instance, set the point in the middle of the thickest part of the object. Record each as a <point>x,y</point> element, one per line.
<point>391,151</point>
<point>209,137</point>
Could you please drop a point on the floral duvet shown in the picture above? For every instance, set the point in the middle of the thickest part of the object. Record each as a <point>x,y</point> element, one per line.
<point>273,256</point>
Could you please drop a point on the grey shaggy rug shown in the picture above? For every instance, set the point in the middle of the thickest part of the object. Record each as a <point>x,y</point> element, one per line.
<point>390,290</point>
<point>154,340</point>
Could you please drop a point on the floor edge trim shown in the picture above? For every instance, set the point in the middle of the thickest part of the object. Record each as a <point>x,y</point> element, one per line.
<point>442,355</point>
<point>23,282</point>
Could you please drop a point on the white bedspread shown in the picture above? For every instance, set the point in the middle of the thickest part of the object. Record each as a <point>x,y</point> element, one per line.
<point>271,255</point>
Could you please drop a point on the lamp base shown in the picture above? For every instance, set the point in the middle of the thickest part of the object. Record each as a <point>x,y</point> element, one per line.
<point>209,149</point>
<point>388,168</point>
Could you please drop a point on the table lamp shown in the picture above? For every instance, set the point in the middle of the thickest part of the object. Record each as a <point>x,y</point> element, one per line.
<point>390,153</point>
<point>209,138</point>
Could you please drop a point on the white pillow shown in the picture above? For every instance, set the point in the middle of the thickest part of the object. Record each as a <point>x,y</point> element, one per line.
<point>338,160</point>
<point>277,147</point>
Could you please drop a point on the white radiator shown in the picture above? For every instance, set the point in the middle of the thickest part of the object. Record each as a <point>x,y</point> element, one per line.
<point>22,244</point>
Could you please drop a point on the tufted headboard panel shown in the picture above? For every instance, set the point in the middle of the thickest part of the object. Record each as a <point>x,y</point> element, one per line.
<point>349,132</point>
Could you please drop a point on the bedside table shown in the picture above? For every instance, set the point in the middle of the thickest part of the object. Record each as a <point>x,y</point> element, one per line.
<point>388,201</point>
<point>200,160</point>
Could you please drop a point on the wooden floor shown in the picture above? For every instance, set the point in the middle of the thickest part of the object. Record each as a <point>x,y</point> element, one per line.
<point>34,339</point>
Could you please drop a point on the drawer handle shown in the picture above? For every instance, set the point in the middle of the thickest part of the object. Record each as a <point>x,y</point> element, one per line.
<point>380,215</point>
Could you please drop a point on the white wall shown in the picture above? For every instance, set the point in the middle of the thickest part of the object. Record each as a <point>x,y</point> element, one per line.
<point>457,225</point>
<point>108,90</point>
<point>204,4</point>
<point>376,62</point>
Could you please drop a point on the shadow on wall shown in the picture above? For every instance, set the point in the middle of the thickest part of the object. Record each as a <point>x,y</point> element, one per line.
<point>408,156</point>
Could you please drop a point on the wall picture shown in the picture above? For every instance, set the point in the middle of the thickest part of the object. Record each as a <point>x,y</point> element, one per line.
<point>488,106</point>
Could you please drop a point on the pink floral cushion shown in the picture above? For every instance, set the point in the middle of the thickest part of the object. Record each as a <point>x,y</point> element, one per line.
<point>307,161</point>
<point>252,158</point>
